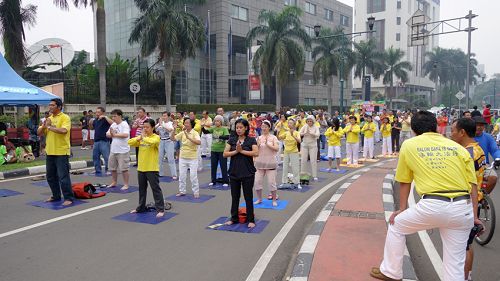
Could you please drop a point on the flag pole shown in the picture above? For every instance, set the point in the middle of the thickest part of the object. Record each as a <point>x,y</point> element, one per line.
<point>209,63</point>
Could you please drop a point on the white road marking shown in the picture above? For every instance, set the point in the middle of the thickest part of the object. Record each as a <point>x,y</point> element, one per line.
<point>387,198</point>
<point>355,177</point>
<point>323,215</point>
<point>269,252</point>
<point>298,279</point>
<point>33,176</point>
<point>309,244</point>
<point>429,247</point>
<point>15,231</point>
<point>389,176</point>
<point>335,198</point>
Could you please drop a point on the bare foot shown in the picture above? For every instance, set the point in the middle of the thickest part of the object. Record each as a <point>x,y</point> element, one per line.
<point>196,195</point>
<point>134,211</point>
<point>160,214</point>
<point>257,202</point>
<point>229,222</point>
<point>180,194</point>
<point>113,184</point>
<point>275,204</point>
<point>52,199</point>
<point>125,187</point>
<point>251,225</point>
<point>67,203</point>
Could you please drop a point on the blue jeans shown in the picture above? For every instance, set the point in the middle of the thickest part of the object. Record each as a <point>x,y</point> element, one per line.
<point>167,147</point>
<point>322,139</point>
<point>100,148</point>
<point>215,159</point>
<point>58,177</point>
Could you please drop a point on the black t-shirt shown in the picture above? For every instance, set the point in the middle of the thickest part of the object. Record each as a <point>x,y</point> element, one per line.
<point>396,123</point>
<point>85,122</point>
<point>241,165</point>
<point>475,113</point>
<point>101,126</point>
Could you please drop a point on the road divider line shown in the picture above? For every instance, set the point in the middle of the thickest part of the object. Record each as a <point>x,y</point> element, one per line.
<point>15,231</point>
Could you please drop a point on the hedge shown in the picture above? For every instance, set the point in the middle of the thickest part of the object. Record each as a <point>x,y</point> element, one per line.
<point>314,107</point>
<point>227,107</point>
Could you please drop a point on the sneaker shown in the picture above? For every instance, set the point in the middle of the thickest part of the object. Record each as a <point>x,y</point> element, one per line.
<point>375,273</point>
<point>299,186</point>
<point>316,179</point>
<point>174,178</point>
<point>211,184</point>
<point>225,185</point>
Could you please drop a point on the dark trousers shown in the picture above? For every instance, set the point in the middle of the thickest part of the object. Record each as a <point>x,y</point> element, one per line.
<point>58,177</point>
<point>247,185</point>
<point>153,178</point>
<point>318,155</point>
<point>217,158</point>
<point>137,154</point>
<point>395,142</point>
<point>322,139</point>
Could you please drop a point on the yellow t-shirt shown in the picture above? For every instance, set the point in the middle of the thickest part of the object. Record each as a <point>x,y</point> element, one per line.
<point>58,144</point>
<point>358,118</point>
<point>391,118</point>
<point>300,123</point>
<point>477,154</point>
<point>148,153</point>
<point>282,128</point>
<point>353,136</point>
<point>205,122</point>
<point>290,142</point>
<point>197,125</point>
<point>334,136</point>
<point>188,149</point>
<point>437,165</point>
<point>368,129</point>
<point>386,130</point>
<point>406,127</point>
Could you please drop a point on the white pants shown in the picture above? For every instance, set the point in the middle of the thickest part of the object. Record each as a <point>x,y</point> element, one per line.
<point>280,151</point>
<point>352,153</point>
<point>310,152</point>
<point>206,144</point>
<point>386,145</point>
<point>192,165</point>
<point>291,159</point>
<point>454,221</point>
<point>404,136</point>
<point>200,161</point>
<point>368,149</point>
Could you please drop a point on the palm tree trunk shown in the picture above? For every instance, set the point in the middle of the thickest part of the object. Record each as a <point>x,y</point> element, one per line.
<point>330,94</point>
<point>168,66</point>
<point>391,89</point>
<point>101,51</point>
<point>278,96</point>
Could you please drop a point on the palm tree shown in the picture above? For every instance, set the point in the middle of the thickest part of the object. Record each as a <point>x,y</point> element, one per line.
<point>280,56</point>
<point>13,19</point>
<point>164,25</point>
<point>394,66</point>
<point>98,5</point>
<point>335,59</point>
<point>367,57</point>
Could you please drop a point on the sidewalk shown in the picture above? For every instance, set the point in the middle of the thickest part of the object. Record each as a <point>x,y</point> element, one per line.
<point>348,237</point>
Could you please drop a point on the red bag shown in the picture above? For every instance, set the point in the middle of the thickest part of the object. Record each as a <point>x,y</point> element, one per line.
<point>85,190</point>
<point>242,215</point>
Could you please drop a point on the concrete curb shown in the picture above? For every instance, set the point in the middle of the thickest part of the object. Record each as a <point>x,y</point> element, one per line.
<point>40,170</point>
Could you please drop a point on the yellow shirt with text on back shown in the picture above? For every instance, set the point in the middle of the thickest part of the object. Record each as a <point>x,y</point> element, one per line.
<point>368,129</point>
<point>148,152</point>
<point>437,165</point>
<point>58,144</point>
<point>353,136</point>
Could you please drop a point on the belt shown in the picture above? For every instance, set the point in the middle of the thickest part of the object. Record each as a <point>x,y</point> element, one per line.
<point>447,199</point>
<point>165,139</point>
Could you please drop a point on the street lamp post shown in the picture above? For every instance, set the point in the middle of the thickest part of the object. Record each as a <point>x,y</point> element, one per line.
<point>317,29</point>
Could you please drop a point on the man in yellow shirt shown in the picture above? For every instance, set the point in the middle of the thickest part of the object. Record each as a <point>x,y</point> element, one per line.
<point>56,129</point>
<point>352,141</point>
<point>444,176</point>
<point>369,130</point>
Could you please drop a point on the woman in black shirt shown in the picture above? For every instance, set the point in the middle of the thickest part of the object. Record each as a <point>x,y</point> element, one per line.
<point>242,149</point>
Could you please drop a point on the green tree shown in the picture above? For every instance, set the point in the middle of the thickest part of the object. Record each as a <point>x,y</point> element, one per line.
<point>164,25</point>
<point>13,19</point>
<point>367,58</point>
<point>335,59</point>
<point>281,56</point>
<point>395,67</point>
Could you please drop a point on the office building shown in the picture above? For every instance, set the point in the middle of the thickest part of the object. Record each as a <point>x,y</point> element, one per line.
<point>224,78</point>
<point>391,28</point>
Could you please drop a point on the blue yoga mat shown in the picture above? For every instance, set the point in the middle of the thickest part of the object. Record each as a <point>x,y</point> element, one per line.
<point>260,225</point>
<point>190,198</point>
<point>93,174</point>
<point>8,192</point>
<point>333,171</point>
<point>41,183</point>
<point>118,190</point>
<point>146,217</point>
<point>217,186</point>
<point>268,204</point>
<point>305,188</point>
<point>167,179</point>
<point>57,205</point>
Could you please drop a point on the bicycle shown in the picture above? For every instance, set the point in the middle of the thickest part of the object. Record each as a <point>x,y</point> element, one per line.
<point>486,212</point>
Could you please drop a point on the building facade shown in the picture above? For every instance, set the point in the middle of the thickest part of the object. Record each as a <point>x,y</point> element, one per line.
<point>221,75</point>
<point>391,30</point>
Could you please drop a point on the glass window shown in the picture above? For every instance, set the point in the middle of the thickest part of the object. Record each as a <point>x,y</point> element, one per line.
<point>379,26</point>
<point>310,31</point>
<point>375,6</point>
<point>344,20</point>
<point>398,20</point>
<point>398,36</point>
<point>328,15</point>
<point>240,13</point>
<point>310,101</point>
<point>290,2</point>
<point>399,4</point>
<point>309,56</point>
<point>310,8</point>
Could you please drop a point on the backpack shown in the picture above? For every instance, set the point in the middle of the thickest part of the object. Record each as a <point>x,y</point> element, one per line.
<point>85,190</point>
<point>242,215</point>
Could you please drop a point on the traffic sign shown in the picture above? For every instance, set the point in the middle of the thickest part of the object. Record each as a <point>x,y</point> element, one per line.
<point>135,88</point>
<point>460,95</point>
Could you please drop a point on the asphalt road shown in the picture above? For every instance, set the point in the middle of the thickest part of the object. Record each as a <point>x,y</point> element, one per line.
<point>93,246</point>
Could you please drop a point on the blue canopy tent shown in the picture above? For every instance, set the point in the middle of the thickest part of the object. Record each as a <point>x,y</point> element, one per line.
<point>15,91</point>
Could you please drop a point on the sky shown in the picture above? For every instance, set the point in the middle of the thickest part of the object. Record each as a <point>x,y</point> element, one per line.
<point>76,26</point>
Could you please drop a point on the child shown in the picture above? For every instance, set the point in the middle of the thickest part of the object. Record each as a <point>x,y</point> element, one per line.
<point>333,135</point>
<point>386,130</point>
<point>352,141</point>
<point>368,130</point>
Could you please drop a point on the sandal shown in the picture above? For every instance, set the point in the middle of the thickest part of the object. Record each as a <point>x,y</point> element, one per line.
<point>179,194</point>
<point>52,199</point>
